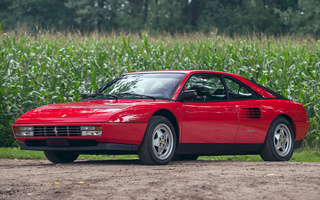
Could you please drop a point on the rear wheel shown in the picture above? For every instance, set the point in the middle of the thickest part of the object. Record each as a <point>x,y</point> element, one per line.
<point>159,142</point>
<point>61,157</point>
<point>279,142</point>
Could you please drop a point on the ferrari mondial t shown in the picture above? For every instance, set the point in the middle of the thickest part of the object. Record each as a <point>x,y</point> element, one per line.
<point>166,115</point>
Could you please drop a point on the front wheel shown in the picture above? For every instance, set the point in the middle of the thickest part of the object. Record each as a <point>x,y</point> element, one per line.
<point>279,142</point>
<point>159,142</point>
<point>61,157</point>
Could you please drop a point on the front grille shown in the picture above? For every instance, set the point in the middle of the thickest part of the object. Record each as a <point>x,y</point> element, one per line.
<point>53,131</point>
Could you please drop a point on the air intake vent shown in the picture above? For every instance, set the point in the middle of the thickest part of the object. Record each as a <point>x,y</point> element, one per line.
<point>250,113</point>
<point>40,131</point>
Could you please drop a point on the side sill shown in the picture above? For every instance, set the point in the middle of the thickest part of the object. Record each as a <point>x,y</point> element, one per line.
<point>218,148</point>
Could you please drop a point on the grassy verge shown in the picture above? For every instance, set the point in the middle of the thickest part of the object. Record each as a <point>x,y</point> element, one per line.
<point>16,153</point>
<point>310,155</point>
<point>298,156</point>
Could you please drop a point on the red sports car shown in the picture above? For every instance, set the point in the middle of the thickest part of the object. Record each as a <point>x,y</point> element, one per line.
<point>165,115</point>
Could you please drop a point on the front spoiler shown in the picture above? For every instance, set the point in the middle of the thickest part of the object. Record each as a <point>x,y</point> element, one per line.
<point>98,147</point>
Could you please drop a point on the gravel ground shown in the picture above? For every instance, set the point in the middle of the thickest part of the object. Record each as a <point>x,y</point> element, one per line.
<point>40,179</point>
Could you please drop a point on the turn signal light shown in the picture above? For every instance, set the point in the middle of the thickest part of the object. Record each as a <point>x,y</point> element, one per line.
<point>24,131</point>
<point>91,130</point>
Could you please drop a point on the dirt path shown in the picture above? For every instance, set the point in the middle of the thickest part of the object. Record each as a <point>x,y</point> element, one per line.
<point>39,179</point>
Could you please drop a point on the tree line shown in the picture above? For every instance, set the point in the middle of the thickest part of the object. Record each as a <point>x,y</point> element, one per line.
<point>276,17</point>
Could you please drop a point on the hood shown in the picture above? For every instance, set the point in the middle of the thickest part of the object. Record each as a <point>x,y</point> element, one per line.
<point>83,109</point>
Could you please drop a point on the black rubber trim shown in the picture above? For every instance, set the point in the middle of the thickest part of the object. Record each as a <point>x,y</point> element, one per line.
<point>98,147</point>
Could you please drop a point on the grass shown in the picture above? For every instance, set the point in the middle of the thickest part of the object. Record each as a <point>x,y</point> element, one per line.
<point>46,68</point>
<point>298,156</point>
<point>16,153</point>
<point>311,155</point>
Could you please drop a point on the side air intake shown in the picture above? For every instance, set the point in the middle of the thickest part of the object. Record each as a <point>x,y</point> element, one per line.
<point>250,113</point>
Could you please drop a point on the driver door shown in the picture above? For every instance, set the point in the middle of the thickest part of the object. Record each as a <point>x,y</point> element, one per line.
<point>209,118</point>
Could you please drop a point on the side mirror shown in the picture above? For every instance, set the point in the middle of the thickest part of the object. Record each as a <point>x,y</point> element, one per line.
<point>188,95</point>
<point>84,96</point>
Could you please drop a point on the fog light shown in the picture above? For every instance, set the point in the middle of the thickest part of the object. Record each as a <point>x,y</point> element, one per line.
<point>24,131</point>
<point>91,130</point>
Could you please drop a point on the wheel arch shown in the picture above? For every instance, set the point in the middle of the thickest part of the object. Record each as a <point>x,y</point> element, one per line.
<point>287,117</point>
<point>271,151</point>
<point>170,116</point>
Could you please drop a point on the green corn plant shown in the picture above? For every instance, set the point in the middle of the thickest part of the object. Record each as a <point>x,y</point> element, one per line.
<point>57,68</point>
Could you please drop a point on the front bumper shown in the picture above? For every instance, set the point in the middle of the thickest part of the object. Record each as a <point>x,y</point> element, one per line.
<point>119,133</point>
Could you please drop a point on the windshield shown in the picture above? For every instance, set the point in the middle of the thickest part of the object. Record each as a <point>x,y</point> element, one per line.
<point>145,85</point>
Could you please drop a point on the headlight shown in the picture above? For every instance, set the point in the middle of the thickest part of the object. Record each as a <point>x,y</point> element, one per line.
<point>91,130</point>
<point>24,131</point>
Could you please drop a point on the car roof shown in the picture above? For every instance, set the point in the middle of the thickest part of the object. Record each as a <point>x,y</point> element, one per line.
<point>188,72</point>
<point>183,71</point>
<point>257,88</point>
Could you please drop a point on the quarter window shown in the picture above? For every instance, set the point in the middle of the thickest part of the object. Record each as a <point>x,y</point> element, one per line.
<point>237,90</point>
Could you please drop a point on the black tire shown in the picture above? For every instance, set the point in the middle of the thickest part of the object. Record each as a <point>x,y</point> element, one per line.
<point>60,157</point>
<point>185,157</point>
<point>159,143</point>
<point>279,142</point>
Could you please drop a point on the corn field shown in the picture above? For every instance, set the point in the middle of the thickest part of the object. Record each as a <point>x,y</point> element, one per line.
<point>51,68</point>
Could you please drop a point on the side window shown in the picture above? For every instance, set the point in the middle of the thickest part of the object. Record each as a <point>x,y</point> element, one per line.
<point>237,90</point>
<point>209,88</point>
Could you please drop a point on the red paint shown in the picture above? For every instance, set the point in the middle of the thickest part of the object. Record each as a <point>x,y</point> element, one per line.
<point>125,121</point>
<point>212,122</point>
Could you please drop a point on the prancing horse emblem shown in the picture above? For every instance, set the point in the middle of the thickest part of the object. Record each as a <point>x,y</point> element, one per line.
<point>55,130</point>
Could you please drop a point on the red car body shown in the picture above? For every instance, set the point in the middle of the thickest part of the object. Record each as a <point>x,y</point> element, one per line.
<point>202,128</point>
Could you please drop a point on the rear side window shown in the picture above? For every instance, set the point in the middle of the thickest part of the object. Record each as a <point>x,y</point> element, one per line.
<point>238,90</point>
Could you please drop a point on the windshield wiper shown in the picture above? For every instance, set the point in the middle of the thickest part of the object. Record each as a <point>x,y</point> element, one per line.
<point>102,95</point>
<point>137,95</point>
<point>110,83</point>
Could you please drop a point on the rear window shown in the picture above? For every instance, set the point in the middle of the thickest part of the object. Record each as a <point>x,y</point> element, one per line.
<point>279,96</point>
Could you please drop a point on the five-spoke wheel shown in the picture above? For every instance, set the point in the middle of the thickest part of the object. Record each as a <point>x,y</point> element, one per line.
<point>282,140</point>
<point>162,141</point>
<point>159,142</point>
<point>279,142</point>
